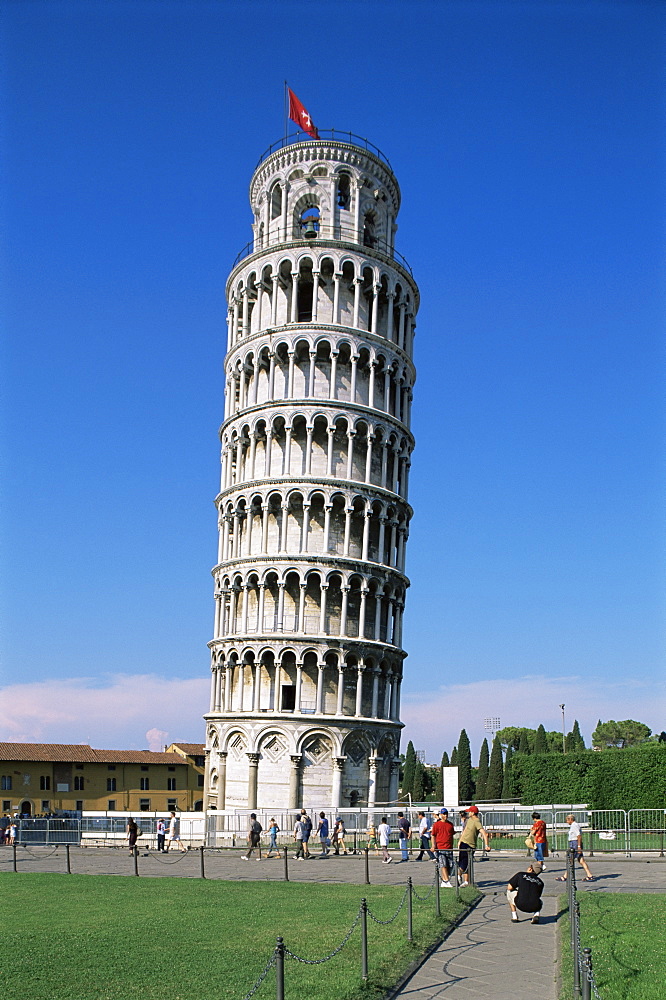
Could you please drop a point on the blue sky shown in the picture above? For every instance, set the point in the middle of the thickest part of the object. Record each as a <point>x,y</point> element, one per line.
<point>528,142</point>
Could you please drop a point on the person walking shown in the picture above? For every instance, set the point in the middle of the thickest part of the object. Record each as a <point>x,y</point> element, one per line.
<point>372,838</point>
<point>384,831</point>
<point>253,838</point>
<point>273,831</point>
<point>173,835</point>
<point>161,835</point>
<point>339,834</point>
<point>524,892</point>
<point>467,841</point>
<point>322,831</point>
<point>576,848</point>
<point>538,835</point>
<point>404,836</point>
<point>307,830</point>
<point>424,838</point>
<point>298,837</point>
<point>132,834</point>
<point>442,840</point>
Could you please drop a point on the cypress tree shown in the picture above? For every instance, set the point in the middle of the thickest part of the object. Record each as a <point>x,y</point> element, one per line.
<point>465,780</point>
<point>495,772</point>
<point>579,742</point>
<point>523,743</point>
<point>409,770</point>
<point>541,741</point>
<point>445,760</point>
<point>507,781</point>
<point>454,757</point>
<point>482,773</point>
<point>418,793</point>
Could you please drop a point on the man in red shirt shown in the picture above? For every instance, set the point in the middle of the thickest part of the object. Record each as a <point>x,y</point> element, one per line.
<point>442,841</point>
<point>538,833</point>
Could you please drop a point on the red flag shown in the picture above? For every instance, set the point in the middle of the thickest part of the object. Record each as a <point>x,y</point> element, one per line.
<point>298,114</point>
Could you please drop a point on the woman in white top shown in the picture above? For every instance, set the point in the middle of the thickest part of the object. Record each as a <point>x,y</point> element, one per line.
<point>384,833</point>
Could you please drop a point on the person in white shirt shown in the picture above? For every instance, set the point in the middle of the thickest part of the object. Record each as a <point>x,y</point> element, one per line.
<point>424,838</point>
<point>576,847</point>
<point>384,833</point>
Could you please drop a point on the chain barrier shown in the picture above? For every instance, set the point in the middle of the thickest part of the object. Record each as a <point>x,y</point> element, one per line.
<point>423,899</point>
<point>390,921</point>
<point>163,861</point>
<point>320,961</point>
<point>269,966</point>
<point>581,956</point>
<point>585,961</point>
<point>41,857</point>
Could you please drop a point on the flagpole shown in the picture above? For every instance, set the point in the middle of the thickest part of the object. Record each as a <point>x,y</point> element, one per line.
<point>285,112</point>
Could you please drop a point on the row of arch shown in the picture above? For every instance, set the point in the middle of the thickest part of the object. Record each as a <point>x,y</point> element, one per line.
<point>313,523</point>
<point>319,447</point>
<point>321,368</point>
<point>336,684</point>
<point>345,605</point>
<point>329,287</point>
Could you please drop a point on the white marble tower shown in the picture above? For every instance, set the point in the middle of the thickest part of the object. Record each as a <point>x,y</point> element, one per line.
<point>310,581</point>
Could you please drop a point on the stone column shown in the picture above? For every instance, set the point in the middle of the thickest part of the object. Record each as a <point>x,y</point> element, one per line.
<point>338,771</point>
<point>252,781</point>
<point>329,456</point>
<point>320,688</point>
<point>306,526</point>
<point>299,686</point>
<point>257,686</point>
<point>350,453</point>
<point>334,374</point>
<point>359,690</point>
<point>228,687</point>
<point>375,691</point>
<point>295,780</point>
<point>311,374</point>
<point>315,295</point>
<point>222,781</point>
<point>393,780</point>
<point>341,689</point>
<point>301,608</point>
<point>322,609</point>
<point>372,782</point>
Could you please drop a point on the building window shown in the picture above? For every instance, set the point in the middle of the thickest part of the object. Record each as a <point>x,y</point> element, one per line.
<point>44,782</point>
<point>171,784</point>
<point>6,805</point>
<point>46,805</point>
<point>145,784</point>
<point>144,805</point>
<point>111,805</point>
<point>171,769</point>
<point>110,784</point>
<point>78,783</point>
<point>200,780</point>
<point>79,767</point>
<point>6,783</point>
<point>79,805</point>
<point>199,761</point>
<point>111,767</point>
<point>144,767</point>
<point>171,805</point>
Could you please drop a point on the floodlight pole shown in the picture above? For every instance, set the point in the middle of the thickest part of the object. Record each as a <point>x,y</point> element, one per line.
<point>564,739</point>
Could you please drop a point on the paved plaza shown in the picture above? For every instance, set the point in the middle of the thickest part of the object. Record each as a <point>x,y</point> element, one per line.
<point>486,955</point>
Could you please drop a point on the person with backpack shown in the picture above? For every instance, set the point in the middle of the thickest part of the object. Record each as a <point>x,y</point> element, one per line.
<point>253,838</point>
<point>307,830</point>
<point>273,831</point>
<point>404,836</point>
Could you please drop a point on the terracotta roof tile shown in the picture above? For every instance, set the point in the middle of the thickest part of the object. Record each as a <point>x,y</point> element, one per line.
<point>81,753</point>
<point>193,749</point>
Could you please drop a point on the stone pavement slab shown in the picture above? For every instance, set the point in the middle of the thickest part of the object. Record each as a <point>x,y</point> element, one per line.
<point>490,956</point>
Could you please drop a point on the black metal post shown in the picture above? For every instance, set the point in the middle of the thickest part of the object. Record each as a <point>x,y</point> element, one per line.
<point>286,866</point>
<point>367,866</point>
<point>364,938</point>
<point>587,974</point>
<point>279,969</point>
<point>576,953</point>
<point>409,910</point>
<point>136,861</point>
<point>69,866</point>
<point>438,908</point>
<point>355,846</point>
<point>14,847</point>
<point>201,855</point>
<point>470,867</point>
<point>456,880</point>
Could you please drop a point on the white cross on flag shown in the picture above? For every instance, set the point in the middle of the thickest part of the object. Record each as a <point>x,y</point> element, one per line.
<point>298,114</point>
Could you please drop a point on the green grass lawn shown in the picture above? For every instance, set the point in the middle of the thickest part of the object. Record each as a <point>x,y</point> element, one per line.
<point>86,937</point>
<point>627,935</point>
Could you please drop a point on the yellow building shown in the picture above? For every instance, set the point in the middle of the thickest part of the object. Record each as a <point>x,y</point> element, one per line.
<point>39,778</point>
<point>195,755</point>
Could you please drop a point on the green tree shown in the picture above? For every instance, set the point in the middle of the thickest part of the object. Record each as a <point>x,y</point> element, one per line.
<point>620,734</point>
<point>454,757</point>
<point>465,781</point>
<point>524,743</point>
<point>541,741</point>
<point>482,772</point>
<point>419,791</point>
<point>409,770</point>
<point>507,781</point>
<point>445,760</point>
<point>495,772</point>
<point>574,740</point>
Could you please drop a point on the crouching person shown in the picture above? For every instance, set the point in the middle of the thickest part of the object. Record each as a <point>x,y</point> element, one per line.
<point>524,892</point>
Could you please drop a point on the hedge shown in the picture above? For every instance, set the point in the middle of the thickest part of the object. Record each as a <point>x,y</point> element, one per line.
<point>631,778</point>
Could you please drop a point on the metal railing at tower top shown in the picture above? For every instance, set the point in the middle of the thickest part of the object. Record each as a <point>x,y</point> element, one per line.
<point>324,233</point>
<point>327,135</point>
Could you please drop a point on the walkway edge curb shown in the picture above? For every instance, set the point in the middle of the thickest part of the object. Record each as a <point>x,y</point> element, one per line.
<point>394,990</point>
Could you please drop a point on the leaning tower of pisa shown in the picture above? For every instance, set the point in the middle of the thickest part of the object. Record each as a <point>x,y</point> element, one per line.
<point>310,583</point>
